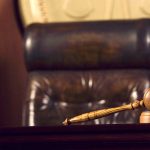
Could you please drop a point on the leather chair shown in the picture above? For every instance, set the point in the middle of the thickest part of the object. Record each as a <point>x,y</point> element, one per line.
<point>83,66</point>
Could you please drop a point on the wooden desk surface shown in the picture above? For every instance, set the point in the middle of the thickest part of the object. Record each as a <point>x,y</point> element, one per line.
<point>76,137</point>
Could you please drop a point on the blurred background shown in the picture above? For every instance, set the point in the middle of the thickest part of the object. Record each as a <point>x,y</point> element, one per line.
<point>12,70</point>
<point>13,74</point>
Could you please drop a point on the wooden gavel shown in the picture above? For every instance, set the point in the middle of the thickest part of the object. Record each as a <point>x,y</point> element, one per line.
<point>105,112</point>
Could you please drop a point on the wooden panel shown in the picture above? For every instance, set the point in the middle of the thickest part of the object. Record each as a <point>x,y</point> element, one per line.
<point>12,69</point>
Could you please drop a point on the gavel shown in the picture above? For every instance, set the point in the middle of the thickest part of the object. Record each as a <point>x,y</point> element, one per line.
<point>145,102</point>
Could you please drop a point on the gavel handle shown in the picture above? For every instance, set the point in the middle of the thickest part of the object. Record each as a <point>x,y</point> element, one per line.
<point>102,113</point>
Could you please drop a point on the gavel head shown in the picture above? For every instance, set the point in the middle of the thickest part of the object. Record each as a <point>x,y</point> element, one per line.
<point>146,99</point>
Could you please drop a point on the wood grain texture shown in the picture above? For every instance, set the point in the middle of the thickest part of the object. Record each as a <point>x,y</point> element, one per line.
<point>12,69</point>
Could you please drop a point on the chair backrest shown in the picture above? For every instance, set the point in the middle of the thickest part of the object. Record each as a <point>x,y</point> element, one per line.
<point>88,45</point>
<point>84,66</point>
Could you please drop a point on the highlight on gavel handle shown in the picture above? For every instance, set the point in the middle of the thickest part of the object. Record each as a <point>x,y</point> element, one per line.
<point>102,113</point>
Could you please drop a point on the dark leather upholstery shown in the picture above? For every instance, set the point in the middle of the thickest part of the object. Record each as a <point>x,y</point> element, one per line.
<point>80,67</point>
<point>88,45</point>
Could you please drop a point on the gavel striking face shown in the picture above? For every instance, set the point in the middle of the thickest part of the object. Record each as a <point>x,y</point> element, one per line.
<point>105,112</point>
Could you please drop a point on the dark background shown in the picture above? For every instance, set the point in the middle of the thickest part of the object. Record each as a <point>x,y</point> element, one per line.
<point>13,75</point>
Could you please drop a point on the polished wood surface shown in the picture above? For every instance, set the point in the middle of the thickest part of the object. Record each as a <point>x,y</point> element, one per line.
<point>12,69</point>
<point>77,137</point>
